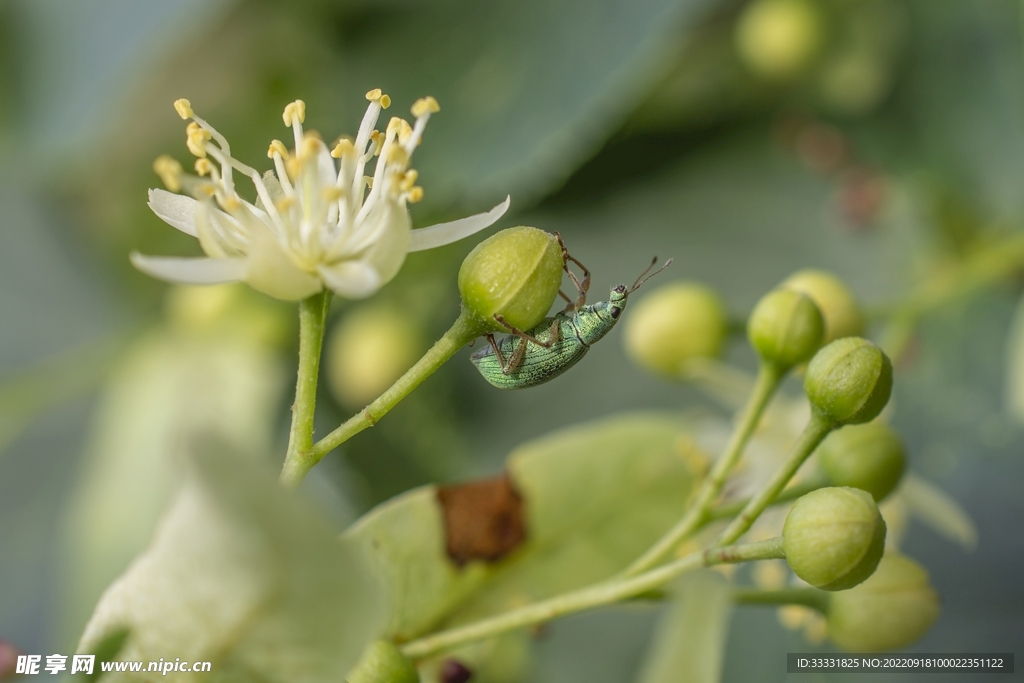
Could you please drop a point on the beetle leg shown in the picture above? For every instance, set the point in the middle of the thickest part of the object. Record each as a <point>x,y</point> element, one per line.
<point>517,358</point>
<point>528,337</point>
<point>581,287</point>
<point>497,351</point>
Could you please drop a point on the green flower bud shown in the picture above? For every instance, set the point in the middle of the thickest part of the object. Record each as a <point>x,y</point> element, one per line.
<point>834,537</point>
<point>842,314</point>
<point>779,38</point>
<point>370,348</point>
<point>869,457</point>
<point>849,381</point>
<point>382,662</point>
<point>892,609</point>
<point>515,273</point>
<point>785,328</point>
<point>673,324</point>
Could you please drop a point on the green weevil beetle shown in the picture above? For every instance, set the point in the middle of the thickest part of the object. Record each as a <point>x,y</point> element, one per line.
<point>556,343</point>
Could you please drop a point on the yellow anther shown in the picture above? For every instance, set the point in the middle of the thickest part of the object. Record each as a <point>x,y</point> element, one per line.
<point>196,140</point>
<point>203,166</point>
<point>294,112</point>
<point>377,140</point>
<point>309,149</point>
<point>277,147</point>
<point>409,179</point>
<point>398,155</point>
<point>385,101</point>
<point>395,124</point>
<point>231,204</point>
<point>424,106</point>
<point>333,193</point>
<point>415,194</point>
<point>169,171</point>
<point>375,95</point>
<point>284,203</point>
<point>293,166</point>
<point>343,148</point>
<point>368,180</point>
<point>184,108</point>
<point>207,188</point>
<point>404,131</point>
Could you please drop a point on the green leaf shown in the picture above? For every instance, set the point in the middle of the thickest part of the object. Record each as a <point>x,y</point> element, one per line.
<point>595,495</point>
<point>689,644</point>
<point>168,387</point>
<point>246,576</point>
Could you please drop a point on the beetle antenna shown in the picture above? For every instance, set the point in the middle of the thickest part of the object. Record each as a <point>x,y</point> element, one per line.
<point>642,279</point>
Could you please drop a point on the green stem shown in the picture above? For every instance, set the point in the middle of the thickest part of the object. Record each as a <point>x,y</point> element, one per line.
<point>312,315</point>
<point>463,331</point>
<point>768,378</point>
<point>598,595</point>
<point>815,432</point>
<point>795,491</point>
<point>808,597</point>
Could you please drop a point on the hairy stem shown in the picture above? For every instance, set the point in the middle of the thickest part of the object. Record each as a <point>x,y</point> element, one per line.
<point>768,378</point>
<point>598,595</point>
<point>814,433</point>
<point>312,315</point>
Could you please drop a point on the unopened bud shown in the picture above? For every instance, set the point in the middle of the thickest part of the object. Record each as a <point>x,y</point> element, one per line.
<point>382,662</point>
<point>516,274</point>
<point>869,457</point>
<point>839,308</point>
<point>849,381</point>
<point>785,328</point>
<point>673,324</point>
<point>890,610</point>
<point>778,38</point>
<point>834,537</point>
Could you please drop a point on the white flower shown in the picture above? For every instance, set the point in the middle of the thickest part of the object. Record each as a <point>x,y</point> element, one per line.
<point>313,224</point>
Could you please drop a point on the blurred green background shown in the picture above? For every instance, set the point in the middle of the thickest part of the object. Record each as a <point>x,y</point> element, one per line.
<point>879,139</point>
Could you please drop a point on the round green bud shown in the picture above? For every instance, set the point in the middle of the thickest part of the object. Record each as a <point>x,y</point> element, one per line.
<point>514,273</point>
<point>779,38</point>
<point>834,537</point>
<point>674,323</point>
<point>849,381</point>
<point>842,314</point>
<point>368,350</point>
<point>869,457</point>
<point>892,609</point>
<point>785,328</point>
<point>382,662</point>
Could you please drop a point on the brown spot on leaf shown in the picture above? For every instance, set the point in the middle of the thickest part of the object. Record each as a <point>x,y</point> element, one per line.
<point>483,519</point>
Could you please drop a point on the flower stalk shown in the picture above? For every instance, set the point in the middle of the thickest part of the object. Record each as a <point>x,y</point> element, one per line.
<point>312,315</point>
<point>598,595</point>
<point>768,378</point>
<point>465,329</point>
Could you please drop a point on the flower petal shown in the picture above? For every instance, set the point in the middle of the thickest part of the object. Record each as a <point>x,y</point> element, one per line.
<point>176,210</point>
<point>351,279</point>
<point>446,233</point>
<point>269,269</point>
<point>189,271</point>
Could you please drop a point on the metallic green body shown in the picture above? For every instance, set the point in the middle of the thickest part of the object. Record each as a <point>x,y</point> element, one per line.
<point>576,332</point>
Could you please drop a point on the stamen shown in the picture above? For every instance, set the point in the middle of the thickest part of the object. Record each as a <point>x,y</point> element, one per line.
<point>169,171</point>
<point>377,140</point>
<point>376,95</point>
<point>184,108</point>
<point>196,139</point>
<point>415,194</point>
<point>425,106</point>
<point>332,193</point>
<point>409,179</point>
<point>343,149</point>
<point>203,166</point>
<point>295,111</point>
<point>277,147</point>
